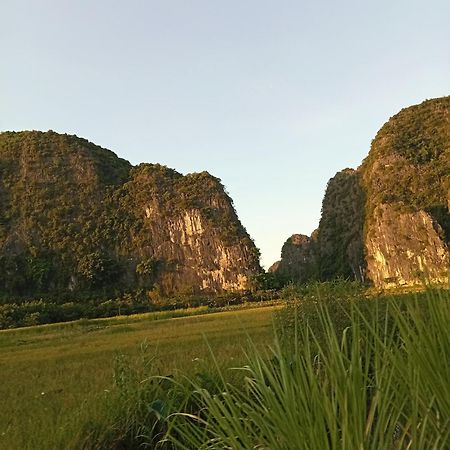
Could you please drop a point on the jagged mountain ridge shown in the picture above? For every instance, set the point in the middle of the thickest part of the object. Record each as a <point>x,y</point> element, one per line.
<point>75,217</point>
<point>388,221</point>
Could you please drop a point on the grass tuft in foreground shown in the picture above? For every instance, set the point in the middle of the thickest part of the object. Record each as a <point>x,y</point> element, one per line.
<point>383,383</point>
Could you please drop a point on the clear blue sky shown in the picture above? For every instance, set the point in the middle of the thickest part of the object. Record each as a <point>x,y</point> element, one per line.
<point>273,97</point>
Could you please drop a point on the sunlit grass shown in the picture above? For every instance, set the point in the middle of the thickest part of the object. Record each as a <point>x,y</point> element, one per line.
<point>353,373</point>
<point>55,379</point>
<point>382,384</point>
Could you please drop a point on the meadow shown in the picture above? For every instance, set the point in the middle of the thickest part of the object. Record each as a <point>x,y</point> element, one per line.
<point>55,379</point>
<point>332,368</point>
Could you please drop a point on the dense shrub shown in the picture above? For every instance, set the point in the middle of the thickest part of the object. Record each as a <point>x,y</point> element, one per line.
<point>42,311</point>
<point>304,304</point>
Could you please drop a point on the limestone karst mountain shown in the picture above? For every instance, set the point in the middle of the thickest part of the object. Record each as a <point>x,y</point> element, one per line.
<point>388,222</point>
<point>74,217</point>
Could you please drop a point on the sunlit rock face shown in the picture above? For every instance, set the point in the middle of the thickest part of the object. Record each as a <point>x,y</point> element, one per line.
<point>75,217</point>
<point>388,221</point>
<point>405,248</point>
<point>198,235</point>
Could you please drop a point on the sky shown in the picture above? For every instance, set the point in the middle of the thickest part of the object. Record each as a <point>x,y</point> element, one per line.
<point>273,97</point>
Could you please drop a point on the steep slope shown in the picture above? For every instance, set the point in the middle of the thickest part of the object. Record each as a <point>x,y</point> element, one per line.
<point>76,218</point>
<point>388,222</point>
<point>340,240</point>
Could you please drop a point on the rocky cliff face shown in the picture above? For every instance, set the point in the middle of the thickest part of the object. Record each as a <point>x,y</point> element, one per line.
<point>298,259</point>
<point>405,247</point>
<point>75,217</point>
<point>340,245</point>
<point>388,222</point>
<point>189,222</point>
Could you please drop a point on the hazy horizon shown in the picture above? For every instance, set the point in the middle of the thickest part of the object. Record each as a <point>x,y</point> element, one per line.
<point>273,98</point>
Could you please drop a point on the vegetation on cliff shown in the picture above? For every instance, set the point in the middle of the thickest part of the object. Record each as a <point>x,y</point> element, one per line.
<point>409,161</point>
<point>77,221</point>
<point>339,239</point>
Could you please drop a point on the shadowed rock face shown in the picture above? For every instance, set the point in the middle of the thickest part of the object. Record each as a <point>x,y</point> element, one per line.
<point>298,259</point>
<point>340,236</point>
<point>74,216</point>
<point>388,222</point>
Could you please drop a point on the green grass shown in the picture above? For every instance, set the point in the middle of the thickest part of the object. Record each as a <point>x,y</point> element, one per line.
<point>381,384</point>
<point>349,372</point>
<point>55,380</point>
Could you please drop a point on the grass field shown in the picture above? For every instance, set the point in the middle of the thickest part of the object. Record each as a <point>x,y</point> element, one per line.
<point>54,379</point>
<point>346,371</point>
